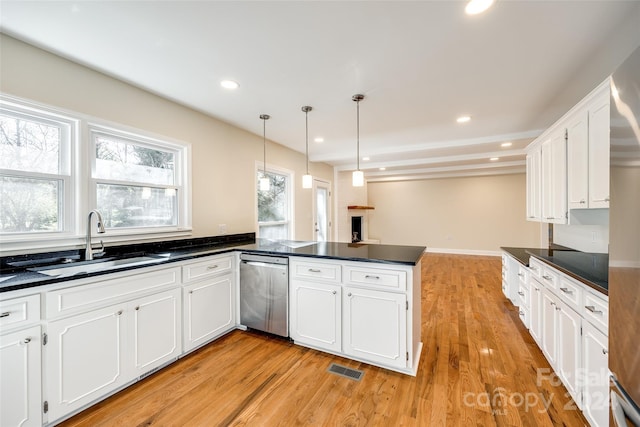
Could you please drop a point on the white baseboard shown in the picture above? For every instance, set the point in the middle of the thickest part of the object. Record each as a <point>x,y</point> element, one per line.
<point>464,251</point>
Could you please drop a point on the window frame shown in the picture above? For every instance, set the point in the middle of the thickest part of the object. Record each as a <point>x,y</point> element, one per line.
<point>79,191</point>
<point>290,175</point>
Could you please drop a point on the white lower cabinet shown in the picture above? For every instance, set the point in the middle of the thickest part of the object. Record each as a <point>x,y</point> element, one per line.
<point>208,310</point>
<point>315,314</point>
<point>568,363</point>
<point>549,326</point>
<point>595,376</point>
<point>20,388</point>
<point>92,354</point>
<point>375,326</point>
<point>535,315</point>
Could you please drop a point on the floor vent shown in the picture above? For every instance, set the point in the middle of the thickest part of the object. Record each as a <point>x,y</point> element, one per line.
<point>343,371</point>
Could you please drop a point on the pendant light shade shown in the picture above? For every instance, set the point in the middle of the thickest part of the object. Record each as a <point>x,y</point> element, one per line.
<point>264,181</point>
<point>307,179</point>
<point>358,175</point>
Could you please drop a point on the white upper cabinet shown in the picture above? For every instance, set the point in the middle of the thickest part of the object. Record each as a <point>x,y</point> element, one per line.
<point>568,165</point>
<point>588,151</point>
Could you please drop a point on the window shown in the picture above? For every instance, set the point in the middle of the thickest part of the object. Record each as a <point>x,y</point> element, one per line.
<point>137,181</point>
<point>274,206</point>
<point>35,171</point>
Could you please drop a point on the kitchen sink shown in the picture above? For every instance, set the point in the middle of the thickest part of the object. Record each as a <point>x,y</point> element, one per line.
<point>72,270</point>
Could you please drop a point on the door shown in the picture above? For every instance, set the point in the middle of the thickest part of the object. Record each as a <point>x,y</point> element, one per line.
<point>549,327</point>
<point>321,210</point>
<point>20,402</point>
<point>208,310</point>
<point>85,359</point>
<point>599,145</point>
<point>569,350</point>
<point>156,330</point>
<point>595,356</point>
<point>536,311</point>
<point>578,161</point>
<point>316,314</point>
<point>375,326</point>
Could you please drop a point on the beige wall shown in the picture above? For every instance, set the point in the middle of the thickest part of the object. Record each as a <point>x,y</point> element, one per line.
<point>467,215</point>
<point>224,157</point>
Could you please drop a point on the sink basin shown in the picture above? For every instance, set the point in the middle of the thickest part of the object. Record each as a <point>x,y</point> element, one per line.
<point>72,270</point>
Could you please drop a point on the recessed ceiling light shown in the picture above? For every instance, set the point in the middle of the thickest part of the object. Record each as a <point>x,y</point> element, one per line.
<point>382,169</point>
<point>366,159</point>
<point>494,159</point>
<point>463,119</point>
<point>475,7</point>
<point>319,139</point>
<point>229,84</point>
<point>506,144</point>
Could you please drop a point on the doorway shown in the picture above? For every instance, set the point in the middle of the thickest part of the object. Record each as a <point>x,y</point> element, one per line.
<point>321,210</point>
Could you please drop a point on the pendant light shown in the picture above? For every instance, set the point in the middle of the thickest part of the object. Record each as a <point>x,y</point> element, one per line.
<point>307,180</point>
<point>264,181</point>
<point>358,175</point>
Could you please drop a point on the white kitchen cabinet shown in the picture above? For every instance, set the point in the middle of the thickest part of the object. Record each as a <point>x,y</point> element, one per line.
<point>554,177</point>
<point>549,326</point>
<point>595,357</point>
<point>316,314</point>
<point>208,310</point>
<point>92,354</point>
<point>599,145</point>
<point>588,151</point>
<point>569,350</point>
<point>20,388</point>
<point>375,326</point>
<point>510,282</point>
<point>536,312</point>
<point>534,190</point>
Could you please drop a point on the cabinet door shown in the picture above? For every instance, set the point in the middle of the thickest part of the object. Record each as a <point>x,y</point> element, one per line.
<point>375,326</point>
<point>20,396</point>
<point>536,311</point>
<point>549,327</point>
<point>208,310</point>
<point>569,350</point>
<point>554,178</point>
<point>578,161</point>
<point>599,154</point>
<point>156,330</point>
<point>596,376</point>
<point>85,359</point>
<point>533,186</point>
<point>316,314</point>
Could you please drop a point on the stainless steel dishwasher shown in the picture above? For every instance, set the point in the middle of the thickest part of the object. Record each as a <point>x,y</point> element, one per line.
<point>264,293</point>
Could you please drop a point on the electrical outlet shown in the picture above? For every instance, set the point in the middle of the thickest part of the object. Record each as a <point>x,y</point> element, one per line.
<point>594,236</point>
<point>222,228</point>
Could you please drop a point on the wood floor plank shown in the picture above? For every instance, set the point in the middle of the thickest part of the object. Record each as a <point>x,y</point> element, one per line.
<point>479,366</point>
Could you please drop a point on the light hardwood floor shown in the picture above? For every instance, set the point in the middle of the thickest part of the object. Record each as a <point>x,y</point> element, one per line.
<point>479,366</point>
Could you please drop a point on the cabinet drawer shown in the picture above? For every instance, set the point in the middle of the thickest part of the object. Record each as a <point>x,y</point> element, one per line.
<point>325,272</point>
<point>81,298</point>
<point>375,277</point>
<point>524,296</point>
<point>19,311</point>
<point>550,278</point>
<point>596,311</point>
<point>523,274</point>
<point>208,267</point>
<point>524,313</point>
<point>570,292</point>
<point>535,267</point>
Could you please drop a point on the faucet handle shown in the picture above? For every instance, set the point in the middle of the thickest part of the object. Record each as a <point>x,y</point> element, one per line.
<point>101,251</point>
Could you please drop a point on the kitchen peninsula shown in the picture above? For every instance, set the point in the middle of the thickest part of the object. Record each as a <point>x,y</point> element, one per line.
<point>357,301</point>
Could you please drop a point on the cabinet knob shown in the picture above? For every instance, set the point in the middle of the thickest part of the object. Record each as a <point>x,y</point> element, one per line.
<point>349,294</point>
<point>119,313</point>
<point>521,293</point>
<point>334,292</point>
<point>582,201</point>
<point>27,340</point>
<point>137,307</point>
<point>553,303</point>
<point>605,351</point>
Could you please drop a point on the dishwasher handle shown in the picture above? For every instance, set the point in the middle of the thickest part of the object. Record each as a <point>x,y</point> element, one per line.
<point>265,264</point>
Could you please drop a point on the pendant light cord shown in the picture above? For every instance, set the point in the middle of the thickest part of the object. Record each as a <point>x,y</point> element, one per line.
<point>264,147</point>
<point>358,132</point>
<point>306,126</point>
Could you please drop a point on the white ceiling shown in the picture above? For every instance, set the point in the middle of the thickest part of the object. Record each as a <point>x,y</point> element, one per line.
<point>421,64</point>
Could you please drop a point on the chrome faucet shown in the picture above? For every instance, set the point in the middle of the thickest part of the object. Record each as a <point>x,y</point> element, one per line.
<point>88,252</point>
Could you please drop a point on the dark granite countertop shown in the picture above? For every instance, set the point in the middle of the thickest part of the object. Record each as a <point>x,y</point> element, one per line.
<point>15,271</point>
<point>589,268</point>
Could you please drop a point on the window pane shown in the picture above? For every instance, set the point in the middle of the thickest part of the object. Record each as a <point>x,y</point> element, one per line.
<point>133,206</point>
<point>29,205</point>
<point>125,161</point>
<point>29,146</point>
<point>274,232</point>
<point>273,204</point>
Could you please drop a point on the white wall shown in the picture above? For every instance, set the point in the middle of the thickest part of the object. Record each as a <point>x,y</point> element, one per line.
<point>587,231</point>
<point>224,157</point>
<point>466,215</point>
<point>348,195</point>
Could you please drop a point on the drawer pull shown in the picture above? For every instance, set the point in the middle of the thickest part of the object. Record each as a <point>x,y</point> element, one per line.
<point>521,313</point>
<point>314,270</point>
<point>521,293</point>
<point>566,291</point>
<point>372,277</point>
<point>592,309</point>
<point>553,303</point>
<point>545,277</point>
<point>520,275</point>
<point>5,314</point>
<point>212,267</point>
